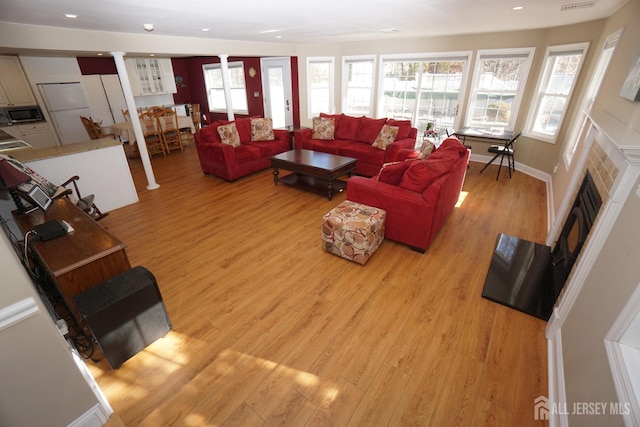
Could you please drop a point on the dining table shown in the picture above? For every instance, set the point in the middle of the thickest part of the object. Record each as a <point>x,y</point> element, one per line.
<point>124,130</point>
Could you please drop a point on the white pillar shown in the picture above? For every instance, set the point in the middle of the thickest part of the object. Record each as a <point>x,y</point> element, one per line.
<point>224,67</point>
<point>135,121</point>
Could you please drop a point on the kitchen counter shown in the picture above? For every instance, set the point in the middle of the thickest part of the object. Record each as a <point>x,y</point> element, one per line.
<point>26,155</point>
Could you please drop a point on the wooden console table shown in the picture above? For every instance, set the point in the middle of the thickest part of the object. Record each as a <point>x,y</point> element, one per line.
<point>78,260</point>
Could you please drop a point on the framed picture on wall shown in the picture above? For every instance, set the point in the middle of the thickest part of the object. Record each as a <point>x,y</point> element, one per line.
<point>631,87</point>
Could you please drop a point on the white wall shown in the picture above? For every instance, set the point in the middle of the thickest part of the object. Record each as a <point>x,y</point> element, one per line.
<point>41,383</point>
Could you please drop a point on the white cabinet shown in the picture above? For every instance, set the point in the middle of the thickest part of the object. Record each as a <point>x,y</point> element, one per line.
<point>150,76</point>
<point>36,135</point>
<point>14,87</point>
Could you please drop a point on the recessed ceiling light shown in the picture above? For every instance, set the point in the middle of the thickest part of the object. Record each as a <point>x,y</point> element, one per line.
<point>70,15</point>
<point>148,27</point>
<point>278,37</point>
<point>268,31</point>
<point>389,30</point>
<point>517,7</point>
<point>206,29</point>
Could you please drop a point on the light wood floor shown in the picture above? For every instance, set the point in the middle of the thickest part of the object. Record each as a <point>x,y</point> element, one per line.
<point>268,329</point>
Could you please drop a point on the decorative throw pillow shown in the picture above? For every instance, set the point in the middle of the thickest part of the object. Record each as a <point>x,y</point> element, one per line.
<point>426,149</point>
<point>386,136</point>
<point>323,128</point>
<point>229,134</point>
<point>348,128</point>
<point>262,129</point>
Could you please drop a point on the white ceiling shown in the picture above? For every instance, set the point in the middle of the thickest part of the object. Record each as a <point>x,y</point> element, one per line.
<point>296,21</point>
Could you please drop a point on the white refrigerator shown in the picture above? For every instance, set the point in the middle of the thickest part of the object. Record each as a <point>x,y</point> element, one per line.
<point>65,103</point>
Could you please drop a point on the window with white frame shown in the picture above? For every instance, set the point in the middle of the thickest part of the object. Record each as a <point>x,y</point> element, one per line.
<point>215,88</point>
<point>558,77</point>
<point>499,79</point>
<point>597,76</point>
<point>320,86</point>
<point>358,86</point>
<point>424,90</point>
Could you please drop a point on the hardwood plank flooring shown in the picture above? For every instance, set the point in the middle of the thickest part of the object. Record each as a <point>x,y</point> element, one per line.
<point>268,329</point>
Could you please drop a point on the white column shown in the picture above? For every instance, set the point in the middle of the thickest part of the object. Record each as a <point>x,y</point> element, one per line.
<point>224,67</point>
<point>135,121</point>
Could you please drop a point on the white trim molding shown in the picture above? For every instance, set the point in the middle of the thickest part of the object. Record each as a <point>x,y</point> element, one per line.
<point>17,312</point>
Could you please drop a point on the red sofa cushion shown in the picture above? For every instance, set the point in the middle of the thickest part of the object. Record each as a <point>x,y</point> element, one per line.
<point>210,133</point>
<point>247,152</point>
<point>347,127</point>
<point>244,128</point>
<point>325,146</point>
<point>421,173</point>
<point>404,127</point>
<point>391,173</point>
<point>363,152</point>
<point>369,129</point>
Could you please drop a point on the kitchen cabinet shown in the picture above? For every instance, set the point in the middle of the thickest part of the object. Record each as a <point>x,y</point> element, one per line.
<point>14,87</point>
<point>150,76</point>
<point>37,135</point>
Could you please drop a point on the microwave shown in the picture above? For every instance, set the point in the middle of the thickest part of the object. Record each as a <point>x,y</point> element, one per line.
<point>27,114</point>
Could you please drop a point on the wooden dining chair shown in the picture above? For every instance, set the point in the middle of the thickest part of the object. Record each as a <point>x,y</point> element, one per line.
<point>169,130</point>
<point>125,114</point>
<point>152,136</point>
<point>94,130</point>
<point>194,109</point>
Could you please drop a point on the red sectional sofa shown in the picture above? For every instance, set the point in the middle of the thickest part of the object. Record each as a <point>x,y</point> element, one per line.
<point>231,163</point>
<point>354,136</point>
<point>417,195</point>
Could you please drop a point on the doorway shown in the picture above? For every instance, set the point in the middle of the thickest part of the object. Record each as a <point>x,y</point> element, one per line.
<point>276,86</point>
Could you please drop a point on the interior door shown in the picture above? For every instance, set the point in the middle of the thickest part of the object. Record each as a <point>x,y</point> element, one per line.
<point>276,87</point>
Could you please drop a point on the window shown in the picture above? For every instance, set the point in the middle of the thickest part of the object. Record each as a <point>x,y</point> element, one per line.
<point>499,80</point>
<point>423,90</point>
<point>358,86</point>
<point>557,79</point>
<point>590,96</point>
<point>215,88</point>
<point>320,86</point>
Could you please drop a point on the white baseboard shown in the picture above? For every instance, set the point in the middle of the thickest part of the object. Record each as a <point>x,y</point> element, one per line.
<point>555,373</point>
<point>94,417</point>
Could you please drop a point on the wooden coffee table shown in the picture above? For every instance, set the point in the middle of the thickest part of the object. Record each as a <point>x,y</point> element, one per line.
<point>313,170</point>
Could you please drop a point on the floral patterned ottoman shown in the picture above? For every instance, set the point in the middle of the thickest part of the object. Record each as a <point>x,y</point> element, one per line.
<point>353,231</point>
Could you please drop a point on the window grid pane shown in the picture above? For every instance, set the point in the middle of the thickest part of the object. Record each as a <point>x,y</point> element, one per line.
<point>359,77</point>
<point>559,77</point>
<point>422,91</point>
<point>320,87</point>
<point>215,89</point>
<point>496,90</point>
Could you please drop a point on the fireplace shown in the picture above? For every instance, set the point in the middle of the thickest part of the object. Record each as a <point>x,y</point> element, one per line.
<point>529,276</point>
<point>575,231</point>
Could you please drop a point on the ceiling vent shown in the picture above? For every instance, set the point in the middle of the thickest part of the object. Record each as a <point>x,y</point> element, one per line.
<point>575,6</point>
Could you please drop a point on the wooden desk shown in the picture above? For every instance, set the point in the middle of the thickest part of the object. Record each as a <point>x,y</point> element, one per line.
<point>487,134</point>
<point>79,260</point>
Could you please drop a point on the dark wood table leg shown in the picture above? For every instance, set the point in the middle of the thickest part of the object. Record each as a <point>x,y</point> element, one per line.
<point>330,189</point>
<point>275,175</point>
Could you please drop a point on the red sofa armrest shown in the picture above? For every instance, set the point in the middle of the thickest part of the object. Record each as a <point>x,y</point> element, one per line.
<point>300,136</point>
<point>281,136</point>
<point>213,154</point>
<point>408,214</point>
<point>391,153</point>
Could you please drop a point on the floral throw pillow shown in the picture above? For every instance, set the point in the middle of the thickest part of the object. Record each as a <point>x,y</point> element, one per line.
<point>426,149</point>
<point>323,128</point>
<point>229,134</point>
<point>386,136</point>
<point>262,129</point>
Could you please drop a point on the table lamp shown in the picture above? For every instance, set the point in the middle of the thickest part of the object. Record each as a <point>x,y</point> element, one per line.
<point>10,178</point>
